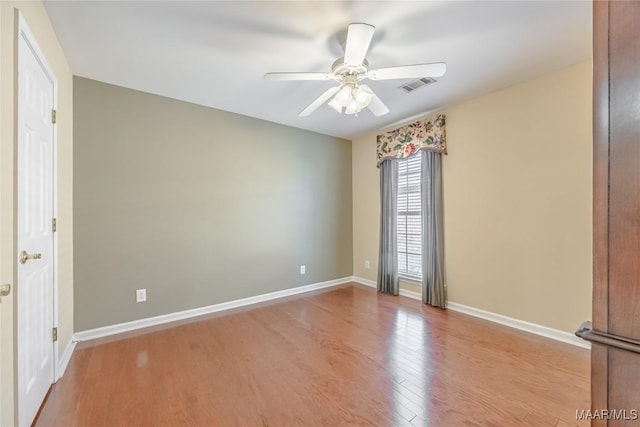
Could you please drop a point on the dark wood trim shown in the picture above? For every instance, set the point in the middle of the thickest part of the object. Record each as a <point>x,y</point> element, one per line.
<point>623,367</point>
<point>600,201</point>
<point>600,164</point>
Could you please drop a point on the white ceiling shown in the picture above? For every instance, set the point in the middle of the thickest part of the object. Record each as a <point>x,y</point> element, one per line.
<point>215,53</point>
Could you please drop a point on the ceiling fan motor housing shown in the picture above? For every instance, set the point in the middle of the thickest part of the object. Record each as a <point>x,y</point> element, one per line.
<point>344,73</point>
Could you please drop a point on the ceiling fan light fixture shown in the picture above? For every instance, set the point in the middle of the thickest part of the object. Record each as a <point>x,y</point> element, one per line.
<point>352,97</point>
<point>352,108</point>
<point>344,97</point>
<point>335,105</point>
<point>363,96</point>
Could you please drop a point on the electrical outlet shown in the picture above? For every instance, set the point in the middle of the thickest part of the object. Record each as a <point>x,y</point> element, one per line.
<point>303,269</point>
<point>367,264</point>
<point>141,295</point>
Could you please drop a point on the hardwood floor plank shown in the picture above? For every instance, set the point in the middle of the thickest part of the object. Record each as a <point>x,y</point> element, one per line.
<point>344,356</point>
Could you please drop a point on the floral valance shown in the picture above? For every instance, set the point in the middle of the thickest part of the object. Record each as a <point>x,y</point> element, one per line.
<point>426,134</point>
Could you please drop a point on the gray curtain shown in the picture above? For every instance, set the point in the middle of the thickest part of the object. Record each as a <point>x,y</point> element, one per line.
<point>434,291</point>
<point>387,256</point>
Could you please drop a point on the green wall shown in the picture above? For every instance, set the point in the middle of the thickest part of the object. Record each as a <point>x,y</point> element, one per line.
<point>198,206</point>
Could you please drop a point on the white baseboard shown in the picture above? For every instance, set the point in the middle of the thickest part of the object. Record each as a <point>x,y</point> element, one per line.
<point>186,314</point>
<point>533,328</point>
<point>363,281</point>
<point>373,284</point>
<point>64,360</point>
<point>522,325</point>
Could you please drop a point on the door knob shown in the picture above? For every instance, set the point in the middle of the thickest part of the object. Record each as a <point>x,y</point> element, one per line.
<point>24,256</point>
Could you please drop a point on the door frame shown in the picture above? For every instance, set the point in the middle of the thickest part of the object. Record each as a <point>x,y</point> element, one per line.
<point>600,292</point>
<point>24,33</point>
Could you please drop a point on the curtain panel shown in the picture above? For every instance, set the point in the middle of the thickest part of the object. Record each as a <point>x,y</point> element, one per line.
<point>434,291</point>
<point>427,134</point>
<point>388,251</point>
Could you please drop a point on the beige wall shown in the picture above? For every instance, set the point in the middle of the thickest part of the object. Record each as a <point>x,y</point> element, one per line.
<point>38,21</point>
<point>517,193</point>
<point>198,206</point>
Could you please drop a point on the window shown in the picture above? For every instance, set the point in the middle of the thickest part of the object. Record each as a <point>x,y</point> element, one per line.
<point>409,217</point>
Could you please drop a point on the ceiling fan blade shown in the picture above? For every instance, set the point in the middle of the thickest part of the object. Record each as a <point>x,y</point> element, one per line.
<point>298,76</point>
<point>319,101</point>
<point>377,107</point>
<point>358,41</point>
<point>436,69</point>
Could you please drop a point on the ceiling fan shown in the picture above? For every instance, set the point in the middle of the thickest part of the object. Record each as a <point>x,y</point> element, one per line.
<point>350,70</point>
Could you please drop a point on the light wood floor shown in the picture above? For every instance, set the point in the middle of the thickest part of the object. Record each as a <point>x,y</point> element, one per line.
<point>346,356</point>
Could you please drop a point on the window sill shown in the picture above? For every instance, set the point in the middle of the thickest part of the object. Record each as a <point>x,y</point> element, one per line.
<point>411,279</point>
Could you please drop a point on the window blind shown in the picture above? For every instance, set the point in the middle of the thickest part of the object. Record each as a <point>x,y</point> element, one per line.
<point>409,217</point>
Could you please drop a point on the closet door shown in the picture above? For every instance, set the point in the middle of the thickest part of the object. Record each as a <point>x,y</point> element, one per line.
<point>615,334</point>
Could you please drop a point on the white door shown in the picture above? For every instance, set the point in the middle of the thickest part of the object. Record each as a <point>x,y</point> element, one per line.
<point>34,286</point>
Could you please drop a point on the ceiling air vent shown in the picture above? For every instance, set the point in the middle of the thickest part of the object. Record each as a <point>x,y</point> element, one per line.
<point>411,86</point>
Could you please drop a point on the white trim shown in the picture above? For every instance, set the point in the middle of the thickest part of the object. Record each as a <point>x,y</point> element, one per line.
<point>364,281</point>
<point>64,360</point>
<point>409,280</point>
<point>522,325</point>
<point>28,36</point>
<point>186,314</point>
<point>402,292</point>
<point>533,328</point>
<point>410,294</point>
